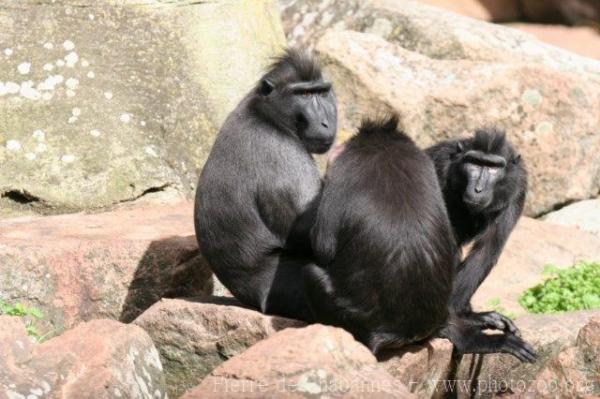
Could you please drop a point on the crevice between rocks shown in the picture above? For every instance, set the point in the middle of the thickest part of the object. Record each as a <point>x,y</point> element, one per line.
<point>558,206</point>
<point>149,190</point>
<point>20,197</point>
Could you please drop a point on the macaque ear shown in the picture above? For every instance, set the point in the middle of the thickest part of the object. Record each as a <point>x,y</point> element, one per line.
<point>516,159</point>
<point>459,147</point>
<point>266,87</point>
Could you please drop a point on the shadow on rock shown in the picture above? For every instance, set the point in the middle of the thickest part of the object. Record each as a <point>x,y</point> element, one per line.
<point>171,267</point>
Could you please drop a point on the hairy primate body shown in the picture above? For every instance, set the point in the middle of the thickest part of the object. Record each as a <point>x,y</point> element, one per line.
<point>253,196</point>
<point>484,183</point>
<point>384,248</point>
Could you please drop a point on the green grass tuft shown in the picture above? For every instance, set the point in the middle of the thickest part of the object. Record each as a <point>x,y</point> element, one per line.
<point>28,313</point>
<point>575,288</point>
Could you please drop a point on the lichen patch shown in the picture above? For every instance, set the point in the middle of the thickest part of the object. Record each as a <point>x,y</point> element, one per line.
<point>39,135</point>
<point>24,68</point>
<point>71,59</point>
<point>13,145</point>
<point>72,83</point>
<point>68,45</point>
<point>68,158</point>
<point>28,91</point>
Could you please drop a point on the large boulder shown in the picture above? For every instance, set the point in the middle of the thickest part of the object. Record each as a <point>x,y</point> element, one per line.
<point>315,361</point>
<point>99,359</point>
<point>583,214</point>
<point>194,337</point>
<point>108,265</point>
<point>105,101</point>
<point>447,75</point>
<point>532,245</point>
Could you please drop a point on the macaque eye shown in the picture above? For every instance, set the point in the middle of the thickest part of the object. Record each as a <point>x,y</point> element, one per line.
<point>306,94</point>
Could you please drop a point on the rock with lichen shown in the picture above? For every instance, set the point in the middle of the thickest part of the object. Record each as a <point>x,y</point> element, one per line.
<point>103,102</point>
<point>447,75</point>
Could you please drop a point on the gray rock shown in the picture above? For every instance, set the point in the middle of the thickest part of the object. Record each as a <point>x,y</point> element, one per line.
<point>447,75</point>
<point>583,214</point>
<point>106,101</point>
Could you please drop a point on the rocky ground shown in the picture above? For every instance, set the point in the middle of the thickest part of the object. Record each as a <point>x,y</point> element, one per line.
<point>91,274</point>
<point>107,113</point>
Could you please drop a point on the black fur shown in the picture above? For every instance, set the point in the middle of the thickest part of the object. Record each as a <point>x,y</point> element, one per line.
<point>488,227</point>
<point>384,248</point>
<point>293,66</point>
<point>385,262</point>
<point>253,196</point>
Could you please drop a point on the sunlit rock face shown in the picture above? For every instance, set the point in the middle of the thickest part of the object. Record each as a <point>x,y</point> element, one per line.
<point>447,75</point>
<point>106,101</point>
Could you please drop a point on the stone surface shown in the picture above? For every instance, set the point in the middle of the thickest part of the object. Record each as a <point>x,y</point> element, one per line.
<point>420,367</point>
<point>105,101</point>
<point>98,359</point>
<point>573,372</point>
<point>533,245</point>
<point>447,75</point>
<point>108,265</point>
<point>194,337</point>
<point>580,40</point>
<point>427,30</point>
<point>315,361</point>
<point>566,367</point>
<point>584,215</point>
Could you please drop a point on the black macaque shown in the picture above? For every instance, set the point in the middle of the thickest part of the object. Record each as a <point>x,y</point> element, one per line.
<point>384,249</point>
<point>252,215</point>
<point>484,183</point>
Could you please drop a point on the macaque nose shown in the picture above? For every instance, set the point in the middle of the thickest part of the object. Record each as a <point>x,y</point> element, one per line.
<point>478,189</point>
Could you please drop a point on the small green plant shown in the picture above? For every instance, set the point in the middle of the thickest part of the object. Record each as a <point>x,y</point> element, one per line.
<point>575,288</point>
<point>29,313</point>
